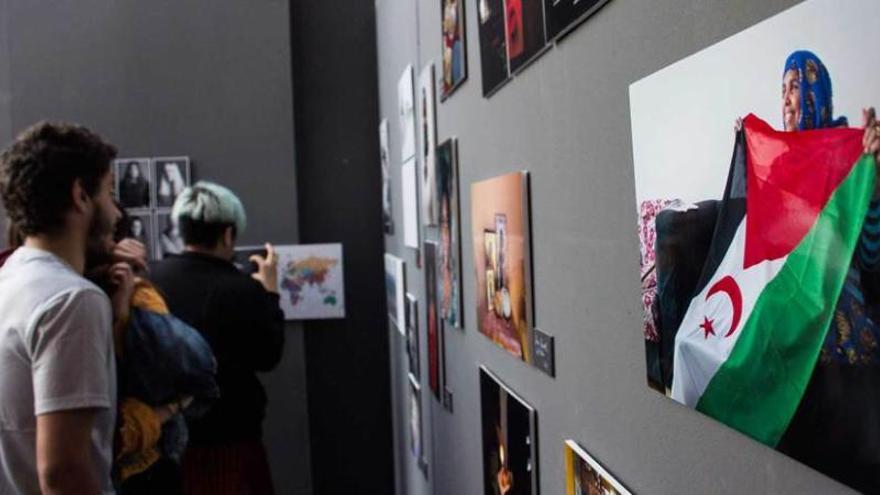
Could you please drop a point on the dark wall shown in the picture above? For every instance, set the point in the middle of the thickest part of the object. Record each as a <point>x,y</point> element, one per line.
<point>205,78</point>
<point>334,53</point>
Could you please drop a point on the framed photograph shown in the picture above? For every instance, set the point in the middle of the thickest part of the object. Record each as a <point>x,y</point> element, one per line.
<point>171,177</point>
<point>585,476</point>
<point>385,160</point>
<point>494,67</point>
<point>168,239</point>
<point>450,232</point>
<point>406,114</point>
<point>142,229</point>
<point>416,443</point>
<point>454,46</point>
<point>562,16</point>
<point>510,439</point>
<point>408,181</point>
<point>500,224</point>
<point>428,149</point>
<point>759,197</point>
<point>133,177</point>
<point>524,28</point>
<point>395,288</point>
<point>412,336</point>
<point>436,358</point>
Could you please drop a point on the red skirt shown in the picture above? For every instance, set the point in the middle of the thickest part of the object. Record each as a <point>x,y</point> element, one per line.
<point>236,469</point>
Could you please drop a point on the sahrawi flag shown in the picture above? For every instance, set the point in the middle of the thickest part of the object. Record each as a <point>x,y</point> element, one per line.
<point>793,209</point>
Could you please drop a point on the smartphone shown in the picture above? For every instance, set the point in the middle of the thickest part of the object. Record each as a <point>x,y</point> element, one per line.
<point>242,256</point>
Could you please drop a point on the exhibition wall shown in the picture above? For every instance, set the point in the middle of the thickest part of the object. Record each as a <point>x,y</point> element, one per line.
<point>566,119</point>
<point>209,80</point>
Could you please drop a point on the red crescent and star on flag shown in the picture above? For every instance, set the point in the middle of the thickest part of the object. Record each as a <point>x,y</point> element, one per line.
<point>729,287</point>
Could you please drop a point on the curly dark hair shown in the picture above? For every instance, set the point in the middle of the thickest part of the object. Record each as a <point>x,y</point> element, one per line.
<point>39,169</point>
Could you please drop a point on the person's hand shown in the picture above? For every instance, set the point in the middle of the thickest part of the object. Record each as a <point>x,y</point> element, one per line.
<point>267,269</point>
<point>166,412</point>
<point>131,251</point>
<point>871,140</point>
<point>122,278</point>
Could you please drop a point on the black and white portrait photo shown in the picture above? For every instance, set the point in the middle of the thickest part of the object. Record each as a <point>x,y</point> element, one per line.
<point>133,182</point>
<point>168,239</point>
<point>171,177</point>
<point>140,228</point>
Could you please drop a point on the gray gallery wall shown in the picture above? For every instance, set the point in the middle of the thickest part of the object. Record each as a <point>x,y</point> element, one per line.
<point>566,119</point>
<point>205,78</point>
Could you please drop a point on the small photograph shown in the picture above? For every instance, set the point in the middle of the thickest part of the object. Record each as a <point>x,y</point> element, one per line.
<point>450,232</point>
<point>585,476</point>
<point>412,335</point>
<point>509,430</point>
<point>172,175</point>
<point>406,114</point>
<point>428,150</point>
<point>415,421</point>
<point>132,182</point>
<point>168,239</point>
<point>494,67</point>
<point>562,16</point>
<point>409,179</point>
<point>502,262</point>
<point>385,160</point>
<point>395,288</point>
<point>454,49</point>
<point>140,228</point>
<point>524,22</point>
<point>435,337</point>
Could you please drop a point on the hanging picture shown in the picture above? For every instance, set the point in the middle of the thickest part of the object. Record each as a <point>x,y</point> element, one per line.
<point>502,261</point>
<point>753,201</point>
<point>172,176</point>
<point>385,161</point>
<point>524,25</point>
<point>494,68</point>
<point>406,114</point>
<point>450,233</point>
<point>395,288</point>
<point>410,204</point>
<point>412,335</point>
<point>435,330</point>
<point>168,238</point>
<point>140,228</point>
<point>585,476</point>
<point>428,147</point>
<point>133,177</point>
<point>454,47</point>
<point>510,443</point>
<point>563,16</point>
<point>416,443</point>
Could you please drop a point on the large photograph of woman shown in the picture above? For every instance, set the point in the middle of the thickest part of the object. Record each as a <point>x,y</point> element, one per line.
<point>759,231</point>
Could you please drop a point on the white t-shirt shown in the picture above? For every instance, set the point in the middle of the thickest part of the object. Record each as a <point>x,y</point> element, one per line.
<point>56,353</point>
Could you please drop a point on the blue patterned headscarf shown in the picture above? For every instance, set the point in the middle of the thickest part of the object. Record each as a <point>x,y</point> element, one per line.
<point>817,109</point>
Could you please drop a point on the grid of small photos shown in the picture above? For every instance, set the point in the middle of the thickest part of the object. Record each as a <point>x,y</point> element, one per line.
<point>147,188</point>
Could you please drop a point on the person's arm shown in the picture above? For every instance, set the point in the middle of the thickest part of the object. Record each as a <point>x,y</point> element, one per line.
<point>64,458</point>
<point>266,335</point>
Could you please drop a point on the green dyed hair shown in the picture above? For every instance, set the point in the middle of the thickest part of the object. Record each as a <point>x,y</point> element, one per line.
<point>211,204</point>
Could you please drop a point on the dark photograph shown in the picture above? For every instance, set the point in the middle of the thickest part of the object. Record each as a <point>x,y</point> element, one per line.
<point>172,175</point>
<point>133,182</point>
<point>412,335</point>
<point>562,16</point>
<point>140,227</point>
<point>524,20</point>
<point>493,45</point>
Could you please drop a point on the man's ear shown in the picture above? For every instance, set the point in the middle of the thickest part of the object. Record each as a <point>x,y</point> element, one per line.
<point>79,197</point>
<point>229,236</point>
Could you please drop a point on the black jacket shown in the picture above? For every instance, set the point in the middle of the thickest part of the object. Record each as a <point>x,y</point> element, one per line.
<point>244,325</point>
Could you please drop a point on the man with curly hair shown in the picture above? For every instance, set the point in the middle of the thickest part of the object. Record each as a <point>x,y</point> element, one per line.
<point>57,368</point>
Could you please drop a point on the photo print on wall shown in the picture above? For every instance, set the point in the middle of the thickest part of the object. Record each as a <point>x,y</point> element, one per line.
<point>562,16</point>
<point>416,437</point>
<point>436,358</point>
<point>510,443</point>
<point>454,46</point>
<point>141,229</point>
<point>412,336</point>
<point>406,114</point>
<point>385,161</point>
<point>500,226</point>
<point>450,232</point>
<point>760,213</point>
<point>428,146</point>
<point>133,177</point>
<point>168,239</point>
<point>585,476</point>
<point>494,67</point>
<point>410,205</point>
<point>395,288</point>
<point>172,176</point>
<point>524,28</point>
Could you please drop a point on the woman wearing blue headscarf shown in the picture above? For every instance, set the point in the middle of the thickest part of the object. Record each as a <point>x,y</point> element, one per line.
<point>836,428</point>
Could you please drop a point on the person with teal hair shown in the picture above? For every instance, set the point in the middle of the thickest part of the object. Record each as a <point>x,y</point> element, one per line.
<point>240,317</point>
